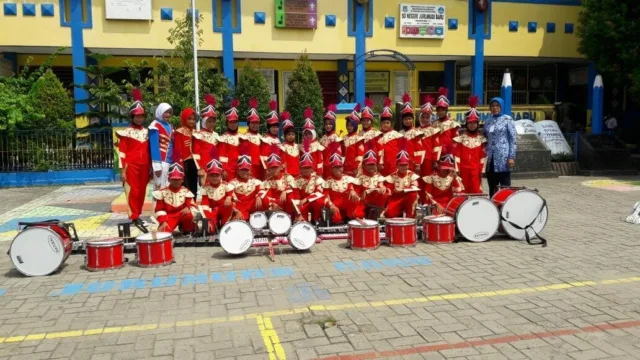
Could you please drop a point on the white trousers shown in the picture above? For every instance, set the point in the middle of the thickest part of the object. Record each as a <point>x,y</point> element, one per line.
<point>161,181</point>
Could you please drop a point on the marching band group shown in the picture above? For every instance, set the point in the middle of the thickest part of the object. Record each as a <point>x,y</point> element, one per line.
<point>366,174</point>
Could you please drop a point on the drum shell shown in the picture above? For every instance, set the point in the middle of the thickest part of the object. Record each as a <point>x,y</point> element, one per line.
<point>363,237</point>
<point>486,219</point>
<point>155,252</point>
<point>502,195</point>
<point>105,256</point>
<point>440,232</point>
<point>56,232</point>
<point>293,241</point>
<point>277,216</point>
<point>401,233</point>
<point>246,243</point>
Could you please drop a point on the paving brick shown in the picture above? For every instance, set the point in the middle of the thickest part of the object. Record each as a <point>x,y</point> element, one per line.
<point>334,349</point>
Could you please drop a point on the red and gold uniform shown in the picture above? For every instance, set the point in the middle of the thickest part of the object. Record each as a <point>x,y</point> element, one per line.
<point>370,188</point>
<point>339,191</point>
<point>442,185</point>
<point>368,133</point>
<point>290,150</point>
<point>205,139</point>
<point>135,160</point>
<point>387,143</point>
<point>183,145</point>
<point>411,134</point>
<point>470,152</point>
<point>175,206</point>
<point>309,198</point>
<point>280,186</point>
<point>316,150</point>
<point>248,194</point>
<point>448,128</point>
<point>328,138</point>
<point>269,139</point>
<point>230,143</point>
<point>217,199</point>
<point>353,145</point>
<point>430,144</point>
<point>253,139</point>
<point>403,186</point>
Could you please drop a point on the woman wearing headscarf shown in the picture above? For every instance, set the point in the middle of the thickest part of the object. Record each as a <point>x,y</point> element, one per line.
<point>501,146</point>
<point>182,141</point>
<point>160,135</point>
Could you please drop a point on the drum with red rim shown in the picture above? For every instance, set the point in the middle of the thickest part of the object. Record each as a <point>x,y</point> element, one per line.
<point>104,254</point>
<point>155,249</point>
<point>476,217</point>
<point>521,207</point>
<point>439,229</point>
<point>363,234</point>
<point>40,249</point>
<point>401,232</point>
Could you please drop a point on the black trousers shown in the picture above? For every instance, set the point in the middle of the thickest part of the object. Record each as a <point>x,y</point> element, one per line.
<point>497,178</point>
<point>191,177</point>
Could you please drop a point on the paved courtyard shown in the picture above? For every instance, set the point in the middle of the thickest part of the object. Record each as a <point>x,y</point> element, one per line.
<point>578,298</point>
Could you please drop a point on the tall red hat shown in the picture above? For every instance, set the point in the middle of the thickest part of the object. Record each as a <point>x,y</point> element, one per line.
<point>443,102</point>
<point>472,115</point>
<point>387,112</point>
<point>252,114</point>
<point>272,117</point>
<point>330,114</point>
<point>427,107</point>
<point>367,110</point>
<point>287,124</point>
<point>370,156</point>
<point>274,159</point>
<point>136,108</point>
<point>244,160</point>
<point>336,159</point>
<point>407,108</point>
<point>306,160</point>
<point>447,161</point>
<point>354,117</point>
<point>210,109</point>
<point>214,166</point>
<point>402,158</point>
<point>176,171</point>
<point>232,114</point>
<point>308,120</point>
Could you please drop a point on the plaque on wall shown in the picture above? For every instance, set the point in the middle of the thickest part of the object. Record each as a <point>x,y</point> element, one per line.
<point>300,14</point>
<point>128,9</point>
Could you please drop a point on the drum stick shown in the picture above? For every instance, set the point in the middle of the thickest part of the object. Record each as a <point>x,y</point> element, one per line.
<point>201,211</point>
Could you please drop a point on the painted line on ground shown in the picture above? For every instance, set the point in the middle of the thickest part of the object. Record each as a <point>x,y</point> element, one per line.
<point>270,338</point>
<point>509,339</point>
<point>276,313</point>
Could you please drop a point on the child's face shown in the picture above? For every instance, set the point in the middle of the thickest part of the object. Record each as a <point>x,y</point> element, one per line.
<point>366,123</point>
<point>402,169</point>
<point>308,135</point>
<point>336,171</point>
<point>425,119</point>
<point>370,168</point>
<point>254,126</point>
<point>167,115</point>
<point>138,120</point>
<point>191,121</point>
<point>175,183</point>
<point>232,125</point>
<point>385,125</point>
<point>442,112</point>
<point>214,179</point>
<point>244,174</point>
<point>407,121</point>
<point>290,136</point>
<point>210,123</point>
<point>273,130</point>
<point>306,171</point>
<point>274,171</point>
<point>472,126</point>
<point>350,127</point>
<point>328,126</point>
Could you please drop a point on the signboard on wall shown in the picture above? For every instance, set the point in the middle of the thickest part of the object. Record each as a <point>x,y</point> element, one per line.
<point>128,9</point>
<point>422,21</point>
<point>402,85</point>
<point>550,133</point>
<point>375,82</point>
<point>300,14</point>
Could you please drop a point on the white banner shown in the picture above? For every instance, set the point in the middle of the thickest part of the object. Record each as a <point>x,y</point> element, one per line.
<point>551,135</point>
<point>524,127</point>
<point>128,10</point>
<point>422,21</point>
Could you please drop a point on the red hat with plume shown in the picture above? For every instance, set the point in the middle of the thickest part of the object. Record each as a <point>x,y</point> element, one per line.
<point>336,159</point>
<point>136,108</point>
<point>308,119</point>
<point>443,102</point>
<point>447,161</point>
<point>306,160</point>
<point>274,159</point>
<point>330,114</point>
<point>214,166</point>
<point>407,108</point>
<point>232,114</point>
<point>209,110</point>
<point>287,124</point>
<point>402,158</point>
<point>252,114</point>
<point>244,160</point>
<point>272,117</point>
<point>370,156</point>
<point>427,106</point>
<point>354,117</point>
<point>387,112</point>
<point>367,110</point>
<point>472,115</point>
<point>176,171</point>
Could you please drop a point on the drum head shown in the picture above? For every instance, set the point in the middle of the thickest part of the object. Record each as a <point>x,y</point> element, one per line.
<point>302,236</point>
<point>400,221</point>
<point>522,208</point>
<point>477,219</point>
<point>104,242</point>
<point>236,237</point>
<point>149,237</point>
<point>37,251</point>
<point>363,223</point>
<point>258,220</point>
<point>279,223</point>
<point>441,219</point>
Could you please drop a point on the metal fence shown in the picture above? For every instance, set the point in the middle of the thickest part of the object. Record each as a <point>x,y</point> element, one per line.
<point>44,150</point>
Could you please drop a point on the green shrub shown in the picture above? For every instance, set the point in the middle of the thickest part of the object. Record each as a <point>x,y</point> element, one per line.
<point>49,98</point>
<point>304,91</point>
<point>251,84</point>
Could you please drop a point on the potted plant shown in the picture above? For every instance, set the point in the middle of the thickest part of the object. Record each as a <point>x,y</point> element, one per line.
<point>565,164</point>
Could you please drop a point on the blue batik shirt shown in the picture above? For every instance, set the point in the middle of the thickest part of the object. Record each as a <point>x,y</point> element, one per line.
<point>501,139</point>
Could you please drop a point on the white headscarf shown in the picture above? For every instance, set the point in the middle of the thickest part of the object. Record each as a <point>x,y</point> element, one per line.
<point>161,109</point>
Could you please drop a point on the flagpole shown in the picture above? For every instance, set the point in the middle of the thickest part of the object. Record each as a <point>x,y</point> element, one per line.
<point>195,61</point>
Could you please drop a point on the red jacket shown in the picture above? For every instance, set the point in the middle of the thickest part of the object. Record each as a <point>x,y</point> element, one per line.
<point>203,141</point>
<point>182,142</point>
<point>229,143</point>
<point>291,158</point>
<point>353,153</point>
<point>170,203</point>
<point>470,151</point>
<point>133,146</point>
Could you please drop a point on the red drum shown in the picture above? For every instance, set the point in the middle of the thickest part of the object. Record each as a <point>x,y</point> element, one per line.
<point>476,217</point>
<point>439,229</point>
<point>40,249</point>
<point>363,234</point>
<point>104,254</point>
<point>522,207</point>
<point>155,249</point>
<point>401,231</point>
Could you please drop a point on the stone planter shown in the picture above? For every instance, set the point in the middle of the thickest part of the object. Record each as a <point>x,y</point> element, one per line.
<point>569,168</point>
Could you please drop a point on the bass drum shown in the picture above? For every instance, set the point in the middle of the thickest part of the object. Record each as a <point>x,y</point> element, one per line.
<point>477,218</point>
<point>40,250</point>
<point>302,236</point>
<point>236,237</point>
<point>522,207</point>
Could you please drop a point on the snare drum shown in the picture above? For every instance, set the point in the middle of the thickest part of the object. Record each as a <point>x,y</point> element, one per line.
<point>363,234</point>
<point>476,217</point>
<point>258,220</point>
<point>302,236</point>
<point>439,229</point>
<point>279,223</point>
<point>401,231</point>
<point>523,207</point>
<point>40,249</point>
<point>236,237</point>
<point>104,254</point>
<point>155,249</point>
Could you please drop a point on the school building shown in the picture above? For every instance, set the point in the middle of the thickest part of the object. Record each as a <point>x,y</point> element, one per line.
<point>359,48</point>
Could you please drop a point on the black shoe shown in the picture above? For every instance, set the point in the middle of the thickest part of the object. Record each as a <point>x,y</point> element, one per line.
<point>140,225</point>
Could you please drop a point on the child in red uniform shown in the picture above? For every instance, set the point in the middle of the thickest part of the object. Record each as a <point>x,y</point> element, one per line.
<point>470,152</point>
<point>368,133</point>
<point>229,143</point>
<point>248,194</point>
<point>280,186</point>
<point>182,143</point>
<point>430,139</point>
<point>448,128</point>
<point>309,199</point>
<point>290,150</point>
<point>206,139</point>
<point>403,185</point>
<point>353,144</point>
<point>411,134</point>
<point>329,137</point>
<point>217,196</point>
<point>370,187</point>
<point>315,148</point>
<point>441,185</point>
<point>252,139</point>
<point>340,196</point>
<point>387,144</point>
<point>271,137</point>
<point>135,160</point>
<point>175,204</point>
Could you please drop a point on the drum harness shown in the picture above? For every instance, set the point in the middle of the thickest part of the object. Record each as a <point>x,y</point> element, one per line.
<point>542,241</point>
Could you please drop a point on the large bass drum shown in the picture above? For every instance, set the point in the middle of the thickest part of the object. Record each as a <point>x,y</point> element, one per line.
<point>40,249</point>
<point>236,237</point>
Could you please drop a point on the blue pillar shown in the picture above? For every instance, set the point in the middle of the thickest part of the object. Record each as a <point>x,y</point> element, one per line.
<point>361,49</point>
<point>78,58</point>
<point>343,81</point>
<point>227,42</point>
<point>477,80</point>
<point>450,79</point>
<point>13,59</point>
<point>597,106</point>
